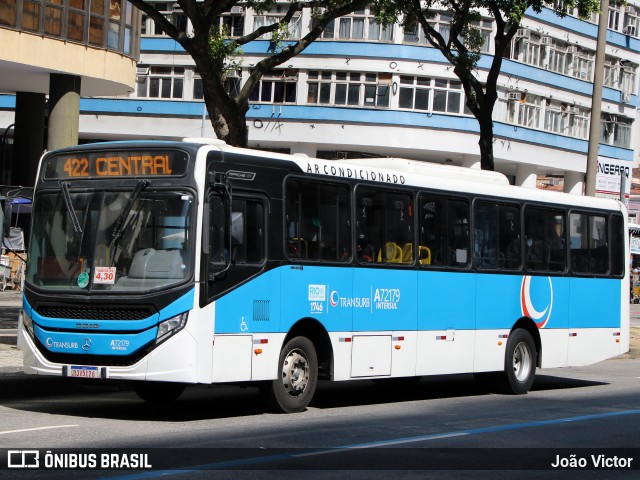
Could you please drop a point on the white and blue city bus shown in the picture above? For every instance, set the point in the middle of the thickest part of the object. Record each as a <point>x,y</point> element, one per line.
<point>175,263</point>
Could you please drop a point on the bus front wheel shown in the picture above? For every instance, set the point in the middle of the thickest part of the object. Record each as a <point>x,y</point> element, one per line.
<point>297,377</point>
<point>520,361</point>
<point>159,392</point>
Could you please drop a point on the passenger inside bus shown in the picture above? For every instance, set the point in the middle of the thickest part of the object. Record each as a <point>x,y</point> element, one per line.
<point>365,251</point>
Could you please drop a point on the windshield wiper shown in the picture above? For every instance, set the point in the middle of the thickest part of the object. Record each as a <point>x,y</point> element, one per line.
<point>67,201</point>
<point>122,224</point>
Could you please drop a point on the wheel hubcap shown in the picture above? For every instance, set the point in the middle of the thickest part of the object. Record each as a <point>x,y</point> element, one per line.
<point>522,361</point>
<point>295,372</point>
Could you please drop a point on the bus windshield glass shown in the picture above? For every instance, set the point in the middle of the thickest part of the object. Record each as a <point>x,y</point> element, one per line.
<point>110,241</point>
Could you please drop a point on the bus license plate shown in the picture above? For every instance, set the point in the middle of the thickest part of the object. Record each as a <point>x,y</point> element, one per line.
<point>84,372</point>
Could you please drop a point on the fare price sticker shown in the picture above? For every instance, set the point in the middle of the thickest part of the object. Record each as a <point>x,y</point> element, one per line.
<point>106,275</point>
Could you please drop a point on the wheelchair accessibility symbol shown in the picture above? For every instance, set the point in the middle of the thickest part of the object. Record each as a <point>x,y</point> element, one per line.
<point>243,326</point>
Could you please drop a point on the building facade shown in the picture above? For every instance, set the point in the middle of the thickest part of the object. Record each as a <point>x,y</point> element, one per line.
<point>364,90</point>
<point>53,53</point>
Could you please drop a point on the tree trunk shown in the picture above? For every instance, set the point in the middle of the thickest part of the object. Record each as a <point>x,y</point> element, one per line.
<point>486,140</point>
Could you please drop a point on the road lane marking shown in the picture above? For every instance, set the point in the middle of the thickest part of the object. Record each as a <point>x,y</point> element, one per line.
<point>398,441</point>
<point>6,432</point>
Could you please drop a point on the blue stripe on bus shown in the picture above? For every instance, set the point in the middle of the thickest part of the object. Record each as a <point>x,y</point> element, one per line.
<point>94,344</point>
<point>103,341</point>
<point>378,299</point>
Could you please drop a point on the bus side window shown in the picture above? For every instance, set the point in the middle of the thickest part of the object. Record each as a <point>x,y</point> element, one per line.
<point>545,239</point>
<point>318,221</point>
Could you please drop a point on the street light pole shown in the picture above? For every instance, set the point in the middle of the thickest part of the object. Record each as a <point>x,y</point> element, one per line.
<point>596,100</point>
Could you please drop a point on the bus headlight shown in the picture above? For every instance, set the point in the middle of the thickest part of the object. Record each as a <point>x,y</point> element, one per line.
<point>171,326</point>
<point>26,322</point>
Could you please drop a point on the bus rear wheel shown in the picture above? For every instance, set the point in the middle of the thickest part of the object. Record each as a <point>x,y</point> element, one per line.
<point>297,377</point>
<point>520,361</point>
<point>159,392</point>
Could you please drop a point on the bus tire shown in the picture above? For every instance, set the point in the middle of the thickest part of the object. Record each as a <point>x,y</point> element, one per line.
<point>297,377</point>
<point>520,362</point>
<point>159,392</point>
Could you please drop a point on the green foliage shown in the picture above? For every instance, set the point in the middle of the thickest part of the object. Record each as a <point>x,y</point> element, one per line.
<point>225,51</point>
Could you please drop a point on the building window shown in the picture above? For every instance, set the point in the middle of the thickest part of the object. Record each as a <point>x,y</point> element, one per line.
<point>53,11</point>
<point>566,119</point>
<point>414,92</point>
<point>615,15</point>
<point>8,12</point>
<point>616,130</point>
<point>171,11</point>
<point>559,57</point>
<point>319,87</point>
<point>234,24</point>
<point>276,15</point>
<point>447,96</point>
<point>349,88</point>
<point>631,21</point>
<point>31,16</point>
<point>160,81</point>
<point>441,22</point>
<point>359,25</point>
<point>76,20</point>
<point>277,86</point>
<point>582,66</point>
<point>627,80</point>
<point>231,85</point>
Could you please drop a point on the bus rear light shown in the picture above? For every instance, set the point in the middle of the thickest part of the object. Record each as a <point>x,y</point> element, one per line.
<point>345,339</point>
<point>616,334</point>
<point>573,334</point>
<point>261,341</point>
<point>171,326</point>
<point>398,339</point>
<point>257,351</point>
<point>398,347</point>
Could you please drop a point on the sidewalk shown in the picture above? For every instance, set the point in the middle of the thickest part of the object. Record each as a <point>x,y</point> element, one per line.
<point>10,298</point>
<point>10,356</point>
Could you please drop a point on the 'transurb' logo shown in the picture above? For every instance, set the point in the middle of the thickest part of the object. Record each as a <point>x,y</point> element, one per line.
<point>528,310</point>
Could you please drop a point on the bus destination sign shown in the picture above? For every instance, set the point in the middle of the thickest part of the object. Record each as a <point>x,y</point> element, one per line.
<point>118,164</point>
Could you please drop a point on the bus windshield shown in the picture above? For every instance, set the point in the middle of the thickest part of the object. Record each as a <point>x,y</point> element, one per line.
<point>106,241</point>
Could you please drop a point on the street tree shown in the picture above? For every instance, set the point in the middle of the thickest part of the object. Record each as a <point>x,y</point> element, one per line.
<point>217,53</point>
<point>461,45</point>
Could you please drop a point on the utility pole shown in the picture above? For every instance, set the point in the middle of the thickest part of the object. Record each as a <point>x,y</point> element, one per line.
<point>596,100</point>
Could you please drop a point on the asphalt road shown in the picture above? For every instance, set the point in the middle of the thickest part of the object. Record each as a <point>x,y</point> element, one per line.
<point>443,427</point>
<point>369,429</point>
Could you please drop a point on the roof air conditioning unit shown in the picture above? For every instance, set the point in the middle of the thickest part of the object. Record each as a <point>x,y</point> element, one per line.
<point>629,30</point>
<point>514,96</point>
<point>237,10</point>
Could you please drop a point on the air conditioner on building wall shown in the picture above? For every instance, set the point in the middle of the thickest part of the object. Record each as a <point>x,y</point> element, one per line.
<point>514,95</point>
<point>572,49</point>
<point>523,33</point>
<point>629,30</point>
<point>625,97</point>
<point>546,40</point>
<point>630,9</point>
<point>237,10</point>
